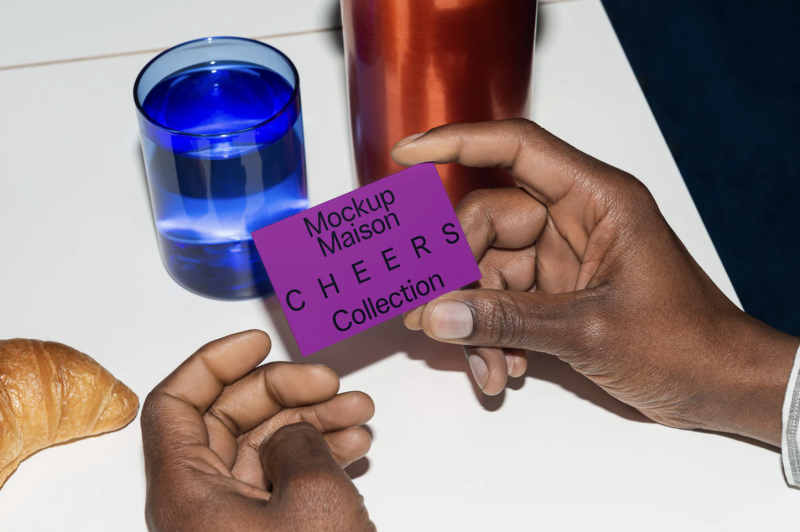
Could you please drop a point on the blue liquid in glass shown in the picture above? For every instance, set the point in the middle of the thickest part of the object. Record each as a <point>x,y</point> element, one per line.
<point>207,200</point>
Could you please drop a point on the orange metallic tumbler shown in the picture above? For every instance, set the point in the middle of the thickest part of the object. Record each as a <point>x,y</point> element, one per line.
<point>416,64</point>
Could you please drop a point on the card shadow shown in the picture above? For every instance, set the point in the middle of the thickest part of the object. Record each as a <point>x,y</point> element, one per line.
<point>391,338</point>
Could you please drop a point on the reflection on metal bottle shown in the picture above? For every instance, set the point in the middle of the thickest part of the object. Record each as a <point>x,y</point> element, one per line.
<point>416,64</point>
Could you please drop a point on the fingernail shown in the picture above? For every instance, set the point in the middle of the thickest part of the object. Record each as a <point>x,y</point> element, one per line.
<point>510,363</point>
<point>479,370</point>
<point>408,140</point>
<point>451,320</point>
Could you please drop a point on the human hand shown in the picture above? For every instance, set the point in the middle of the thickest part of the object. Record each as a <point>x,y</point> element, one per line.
<point>229,446</point>
<point>580,263</point>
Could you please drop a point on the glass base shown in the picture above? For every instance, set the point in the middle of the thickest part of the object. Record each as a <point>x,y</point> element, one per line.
<point>228,271</point>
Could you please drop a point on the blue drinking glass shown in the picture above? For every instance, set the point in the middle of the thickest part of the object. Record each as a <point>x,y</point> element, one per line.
<point>222,138</point>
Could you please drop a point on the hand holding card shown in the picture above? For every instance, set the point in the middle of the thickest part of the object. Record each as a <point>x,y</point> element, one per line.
<point>365,257</point>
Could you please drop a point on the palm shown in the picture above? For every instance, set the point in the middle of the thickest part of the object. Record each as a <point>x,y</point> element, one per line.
<point>225,442</point>
<point>219,428</point>
<point>580,263</point>
<point>554,235</point>
<point>558,249</point>
<point>552,263</point>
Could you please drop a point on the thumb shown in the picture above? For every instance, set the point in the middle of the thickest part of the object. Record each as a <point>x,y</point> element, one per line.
<point>310,491</point>
<point>558,324</point>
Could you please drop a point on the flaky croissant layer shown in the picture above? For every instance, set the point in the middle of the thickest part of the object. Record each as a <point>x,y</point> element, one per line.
<point>51,393</point>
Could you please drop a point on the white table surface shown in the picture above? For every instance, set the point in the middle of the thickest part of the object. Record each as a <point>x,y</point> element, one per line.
<point>79,264</point>
<point>44,31</point>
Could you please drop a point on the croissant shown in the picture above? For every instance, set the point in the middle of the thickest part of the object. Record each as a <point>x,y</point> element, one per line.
<point>51,393</point>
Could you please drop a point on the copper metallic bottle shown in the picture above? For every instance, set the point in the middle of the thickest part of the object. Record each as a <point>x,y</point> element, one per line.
<point>416,64</point>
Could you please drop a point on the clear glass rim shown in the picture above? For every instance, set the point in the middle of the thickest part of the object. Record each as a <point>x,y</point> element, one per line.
<point>286,106</point>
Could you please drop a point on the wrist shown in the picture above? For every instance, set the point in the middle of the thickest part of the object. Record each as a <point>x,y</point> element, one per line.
<point>753,372</point>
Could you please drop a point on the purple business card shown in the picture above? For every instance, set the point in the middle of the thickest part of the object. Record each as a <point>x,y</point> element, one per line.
<point>365,257</point>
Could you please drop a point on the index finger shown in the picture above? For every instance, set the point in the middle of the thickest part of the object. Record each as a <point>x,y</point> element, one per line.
<point>544,164</point>
<point>200,379</point>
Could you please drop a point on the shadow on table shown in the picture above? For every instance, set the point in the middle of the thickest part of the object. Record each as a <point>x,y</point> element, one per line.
<point>360,467</point>
<point>334,20</point>
<point>391,337</point>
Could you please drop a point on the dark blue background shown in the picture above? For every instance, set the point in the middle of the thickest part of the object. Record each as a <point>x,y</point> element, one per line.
<point>723,80</point>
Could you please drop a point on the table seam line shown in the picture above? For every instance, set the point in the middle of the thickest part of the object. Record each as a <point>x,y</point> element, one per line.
<point>150,50</point>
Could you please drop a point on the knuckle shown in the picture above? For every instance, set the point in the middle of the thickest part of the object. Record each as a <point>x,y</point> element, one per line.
<point>312,417</point>
<point>522,126</point>
<point>519,332</point>
<point>596,326</point>
<point>218,414</point>
<point>639,192</point>
<point>488,322</point>
<point>633,196</point>
<point>500,321</point>
<point>272,375</point>
<point>474,208</point>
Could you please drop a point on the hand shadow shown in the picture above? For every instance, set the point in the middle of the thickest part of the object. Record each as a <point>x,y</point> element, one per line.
<point>551,369</point>
<point>360,467</point>
<point>370,346</point>
<point>391,337</point>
